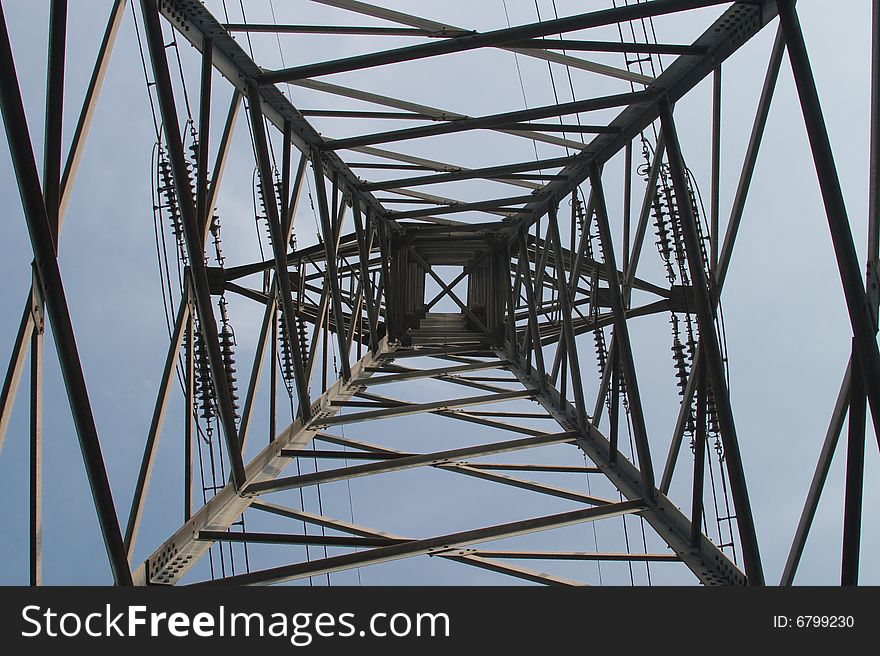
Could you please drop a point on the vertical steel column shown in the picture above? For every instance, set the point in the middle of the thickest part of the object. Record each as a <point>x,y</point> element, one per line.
<point>25,167</point>
<point>710,344</point>
<point>715,198</point>
<point>54,113</point>
<point>699,459</point>
<point>621,336</point>
<point>726,251</point>
<point>627,203</point>
<point>845,397</point>
<point>855,453</point>
<point>874,176</point>
<point>329,238</point>
<point>36,441</point>
<point>192,235</point>
<point>614,410</point>
<point>189,433</point>
<point>863,324</point>
<point>854,485</point>
<point>282,277</point>
<point>203,212</point>
<point>273,374</point>
<point>363,260</point>
<point>533,328</point>
<point>284,210</point>
<point>577,382</point>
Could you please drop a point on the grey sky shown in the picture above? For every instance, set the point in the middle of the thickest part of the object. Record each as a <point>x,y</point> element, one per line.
<point>786,323</point>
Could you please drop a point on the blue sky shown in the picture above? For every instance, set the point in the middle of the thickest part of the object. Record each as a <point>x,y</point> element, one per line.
<point>786,323</point>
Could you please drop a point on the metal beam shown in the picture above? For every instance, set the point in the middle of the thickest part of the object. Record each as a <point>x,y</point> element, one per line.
<point>432,113</point>
<point>77,146</point>
<point>16,365</point>
<point>494,38</point>
<point>430,373</point>
<point>442,30</point>
<point>531,486</point>
<point>578,45</point>
<point>416,408</point>
<point>194,23</point>
<point>436,544</point>
<point>180,552</point>
<point>709,341</point>
<point>283,538</point>
<point>329,231</point>
<point>817,484</point>
<point>751,159</point>
<point>623,346</point>
<point>854,482</point>
<point>165,385</point>
<point>493,121</point>
<point>715,194</point>
<point>460,556</point>
<point>724,37</point>
<point>493,172</point>
<point>192,235</point>
<point>861,319</point>
<point>514,570</point>
<point>25,167</point>
<point>268,329</point>
<point>706,561</point>
<point>279,248</point>
<point>724,258</point>
<point>576,555</point>
<point>407,461</point>
<point>365,234</point>
<point>87,113</point>
<point>272,28</point>
<point>54,113</point>
<point>563,291</point>
<point>559,469</point>
<point>36,445</point>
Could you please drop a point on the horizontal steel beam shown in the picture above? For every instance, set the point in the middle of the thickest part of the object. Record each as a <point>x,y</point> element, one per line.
<point>610,46</point>
<point>354,529</point>
<point>494,38</point>
<point>468,174</point>
<point>435,545</point>
<point>408,461</point>
<point>272,28</point>
<point>283,538</point>
<point>442,29</point>
<point>417,408</point>
<point>559,469</point>
<point>574,555</point>
<point>494,121</point>
<point>429,373</point>
<point>337,455</point>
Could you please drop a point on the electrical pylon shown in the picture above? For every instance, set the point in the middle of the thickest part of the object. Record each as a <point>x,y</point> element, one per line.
<point>482,337</point>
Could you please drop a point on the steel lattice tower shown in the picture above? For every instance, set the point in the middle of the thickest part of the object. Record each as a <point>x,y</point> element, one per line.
<point>474,320</point>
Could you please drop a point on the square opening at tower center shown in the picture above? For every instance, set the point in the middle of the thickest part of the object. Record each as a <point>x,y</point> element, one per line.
<point>451,277</point>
